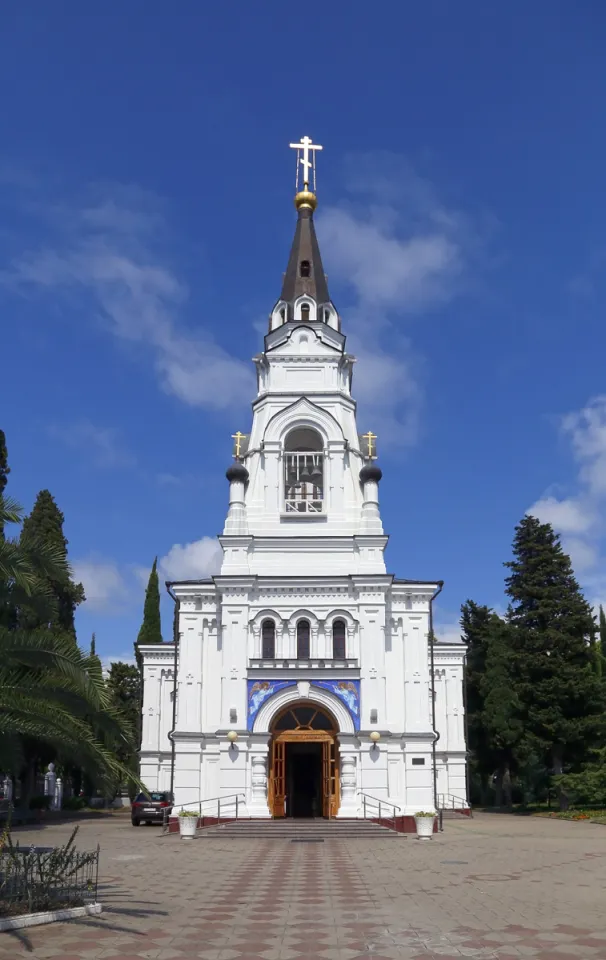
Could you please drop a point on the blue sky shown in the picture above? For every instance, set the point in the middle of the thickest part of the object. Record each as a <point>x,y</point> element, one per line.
<point>146,187</point>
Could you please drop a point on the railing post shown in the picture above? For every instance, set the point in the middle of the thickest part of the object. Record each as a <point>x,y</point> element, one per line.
<point>219,810</point>
<point>379,811</point>
<point>236,806</point>
<point>364,806</point>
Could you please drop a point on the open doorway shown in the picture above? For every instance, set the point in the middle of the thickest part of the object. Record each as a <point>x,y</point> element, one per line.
<point>304,779</point>
<point>304,763</point>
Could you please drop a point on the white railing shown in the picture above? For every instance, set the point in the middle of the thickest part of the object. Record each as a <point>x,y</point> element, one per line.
<point>303,506</point>
<point>231,807</point>
<point>381,810</point>
<point>293,663</point>
<point>448,801</point>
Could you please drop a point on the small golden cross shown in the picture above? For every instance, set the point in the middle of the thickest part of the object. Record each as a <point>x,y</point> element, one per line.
<point>370,437</point>
<point>238,437</point>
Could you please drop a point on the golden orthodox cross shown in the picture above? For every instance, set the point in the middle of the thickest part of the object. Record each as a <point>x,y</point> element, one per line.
<point>238,437</point>
<point>370,437</point>
<point>306,146</point>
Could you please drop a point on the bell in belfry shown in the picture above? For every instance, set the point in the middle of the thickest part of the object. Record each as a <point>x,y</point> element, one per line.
<point>306,475</point>
<point>316,473</point>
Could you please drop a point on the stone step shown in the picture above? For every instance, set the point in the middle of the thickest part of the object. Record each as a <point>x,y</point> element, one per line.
<point>449,814</point>
<point>312,830</point>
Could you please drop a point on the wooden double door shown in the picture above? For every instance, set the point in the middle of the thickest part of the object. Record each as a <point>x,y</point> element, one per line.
<point>304,763</point>
<point>304,777</point>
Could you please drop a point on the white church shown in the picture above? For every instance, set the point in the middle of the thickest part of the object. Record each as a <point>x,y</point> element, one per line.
<point>304,681</point>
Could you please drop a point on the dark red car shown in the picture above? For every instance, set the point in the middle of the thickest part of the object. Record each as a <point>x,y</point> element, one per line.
<point>150,807</point>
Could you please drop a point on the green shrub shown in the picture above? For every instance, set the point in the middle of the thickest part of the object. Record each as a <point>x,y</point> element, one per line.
<point>40,802</point>
<point>74,803</point>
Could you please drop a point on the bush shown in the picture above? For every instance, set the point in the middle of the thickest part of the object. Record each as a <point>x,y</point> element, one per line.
<point>40,803</point>
<point>36,879</point>
<point>74,803</point>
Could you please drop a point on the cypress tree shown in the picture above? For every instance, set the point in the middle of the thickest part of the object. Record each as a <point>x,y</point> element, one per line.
<point>552,669</point>
<point>151,628</point>
<point>475,628</point>
<point>93,654</point>
<point>600,647</point>
<point>45,525</point>
<point>4,472</point>
<point>494,712</point>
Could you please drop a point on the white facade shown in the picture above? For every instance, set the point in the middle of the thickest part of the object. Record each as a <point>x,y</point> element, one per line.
<point>303,543</point>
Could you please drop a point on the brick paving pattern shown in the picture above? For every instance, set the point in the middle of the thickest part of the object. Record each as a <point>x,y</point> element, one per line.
<point>494,888</point>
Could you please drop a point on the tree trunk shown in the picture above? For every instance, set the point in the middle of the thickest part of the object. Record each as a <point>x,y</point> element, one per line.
<point>507,786</point>
<point>498,788</point>
<point>558,768</point>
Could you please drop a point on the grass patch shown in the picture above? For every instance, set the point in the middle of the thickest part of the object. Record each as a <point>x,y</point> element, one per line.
<point>587,814</point>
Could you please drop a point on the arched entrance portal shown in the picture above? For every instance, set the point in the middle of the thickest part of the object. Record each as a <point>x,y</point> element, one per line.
<point>304,774</point>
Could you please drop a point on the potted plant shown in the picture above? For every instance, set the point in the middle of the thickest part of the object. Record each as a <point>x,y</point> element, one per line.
<point>424,822</point>
<point>188,821</point>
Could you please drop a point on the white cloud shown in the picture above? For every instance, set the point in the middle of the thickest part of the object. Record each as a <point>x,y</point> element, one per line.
<point>583,554</point>
<point>586,429</point>
<point>581,518</point>
<point>448,632</point>
<point>191,561</point>
<point>107,661</point>
<point>104,444</point>
<point>104,585</point>
<point>110,251</point>
<point>388,271</point>
<point>399,251</point>
<point>567,516</point>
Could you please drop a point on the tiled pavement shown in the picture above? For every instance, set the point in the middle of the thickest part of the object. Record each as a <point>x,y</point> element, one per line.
<point>495,887</point>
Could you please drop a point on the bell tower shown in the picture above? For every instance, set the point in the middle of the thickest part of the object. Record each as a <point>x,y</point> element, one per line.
<point>300,679</point>
<point>304,485</point>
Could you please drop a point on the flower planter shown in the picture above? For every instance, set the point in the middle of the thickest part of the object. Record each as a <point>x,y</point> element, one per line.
<point>424,827</point>
<point>187,827</point>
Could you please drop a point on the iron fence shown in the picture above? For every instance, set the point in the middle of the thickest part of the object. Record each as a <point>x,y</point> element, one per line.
<point>34,879</point>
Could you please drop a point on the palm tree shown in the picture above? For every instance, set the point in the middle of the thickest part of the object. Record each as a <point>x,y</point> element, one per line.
<point>49,689</point>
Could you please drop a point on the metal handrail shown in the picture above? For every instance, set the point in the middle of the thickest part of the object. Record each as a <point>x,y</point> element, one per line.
<point>382,804</point>
<point>449,801</point>
<point>201,803</point>
<point>452,797</point>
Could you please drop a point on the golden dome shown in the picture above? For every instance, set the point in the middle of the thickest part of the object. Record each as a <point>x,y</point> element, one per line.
<point>305,198</point>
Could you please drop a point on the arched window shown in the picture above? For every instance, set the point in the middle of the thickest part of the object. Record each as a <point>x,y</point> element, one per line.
<point>303,471</point>
<point>303,640</point>
<point>305,312</point>
<point>338,640</point>
<point>268,640</point>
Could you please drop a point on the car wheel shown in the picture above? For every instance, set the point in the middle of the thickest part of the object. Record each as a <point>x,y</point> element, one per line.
<point>135,823</point>
<point>148,823</point>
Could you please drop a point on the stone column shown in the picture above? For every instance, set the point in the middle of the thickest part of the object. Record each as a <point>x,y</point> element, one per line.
<point>348,759</point>
<point>57,801</point>
<point>348,778</point>
<point>236,522</point>
<point>257,792</point>
<point>50,779</point>
<point>259,779</point>
<point>370,476</point>
<point>7,788</point>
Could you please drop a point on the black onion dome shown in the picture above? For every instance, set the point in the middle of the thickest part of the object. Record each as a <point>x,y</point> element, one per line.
<point>237,471</point>
<point>370,472</point>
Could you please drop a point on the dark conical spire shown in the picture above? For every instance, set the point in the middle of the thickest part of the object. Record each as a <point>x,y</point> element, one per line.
<point>305,273</point>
